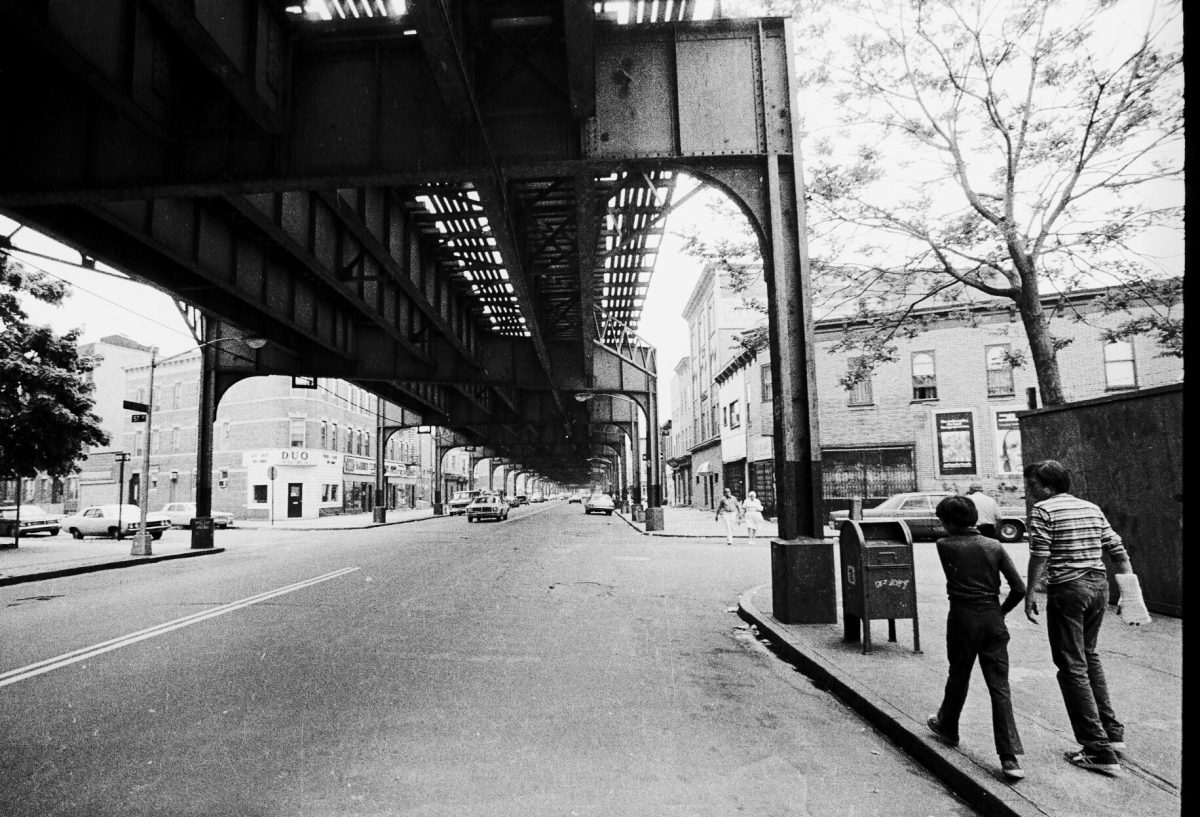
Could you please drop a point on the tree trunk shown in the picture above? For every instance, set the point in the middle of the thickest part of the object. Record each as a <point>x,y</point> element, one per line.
<point>1041,343</point>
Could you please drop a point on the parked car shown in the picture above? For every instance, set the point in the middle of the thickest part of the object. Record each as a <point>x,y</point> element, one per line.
<point>459,502</point>
<point>537,496</point>
<point>917,511</point>
<point>33,520</point>
<point>520,499</point>
<point>576,498</point>
<point>599,503</point>
<point>115,521</point>
<point>182,515</point>
<point>487,506</point>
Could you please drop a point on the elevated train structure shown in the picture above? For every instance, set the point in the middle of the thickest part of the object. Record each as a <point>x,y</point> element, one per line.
<point>454,205</point>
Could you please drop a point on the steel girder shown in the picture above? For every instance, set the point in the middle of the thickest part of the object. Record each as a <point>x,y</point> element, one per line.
<point>278,175</point>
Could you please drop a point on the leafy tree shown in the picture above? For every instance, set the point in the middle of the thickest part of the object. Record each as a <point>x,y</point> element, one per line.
<point>994,149</point>
<point>46,419</point>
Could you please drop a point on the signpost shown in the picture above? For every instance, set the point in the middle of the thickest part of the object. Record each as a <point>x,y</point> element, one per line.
<point>121,458</point>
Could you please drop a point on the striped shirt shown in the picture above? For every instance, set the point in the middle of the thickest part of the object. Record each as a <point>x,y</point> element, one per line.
<point>1072,533</point>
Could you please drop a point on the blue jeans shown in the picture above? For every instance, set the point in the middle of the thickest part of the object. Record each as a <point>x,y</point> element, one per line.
<point>1074,613</point>
<point>979,632</point>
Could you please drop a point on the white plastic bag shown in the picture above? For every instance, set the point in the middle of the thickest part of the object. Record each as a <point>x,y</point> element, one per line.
<point>1131,606</point>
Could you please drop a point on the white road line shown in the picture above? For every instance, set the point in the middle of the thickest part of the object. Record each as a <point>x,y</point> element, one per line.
<point>66,659</point>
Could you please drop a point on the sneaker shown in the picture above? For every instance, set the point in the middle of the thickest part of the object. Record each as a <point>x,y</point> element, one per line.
<point>935,726</point>
<point>1117,745</point>
<point>1093,763</point>
<point>1011,769</point>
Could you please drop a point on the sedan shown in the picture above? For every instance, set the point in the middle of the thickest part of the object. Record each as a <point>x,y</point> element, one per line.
<point>598,503</point>
<point>114,521</point>
<point>487,506</point>
<point>183,514</point>
<point>33,520</point>
<point>917,511</point>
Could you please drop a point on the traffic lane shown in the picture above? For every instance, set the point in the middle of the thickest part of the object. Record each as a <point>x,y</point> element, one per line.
<point>509,669</point>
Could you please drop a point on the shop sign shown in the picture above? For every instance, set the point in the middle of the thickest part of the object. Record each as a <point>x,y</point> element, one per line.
<point>357,465</point>
<point>290,457</point>
<point>955,443</point>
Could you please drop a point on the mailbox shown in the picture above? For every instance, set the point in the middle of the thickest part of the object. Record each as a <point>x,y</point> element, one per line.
<point>878,579</point>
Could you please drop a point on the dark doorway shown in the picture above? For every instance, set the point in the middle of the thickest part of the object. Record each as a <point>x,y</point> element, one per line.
<point>295,500</point>
<point>135,482</point>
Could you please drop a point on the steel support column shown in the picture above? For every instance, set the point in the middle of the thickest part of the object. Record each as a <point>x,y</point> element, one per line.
<point>202,528</point>
<point>803,575</point>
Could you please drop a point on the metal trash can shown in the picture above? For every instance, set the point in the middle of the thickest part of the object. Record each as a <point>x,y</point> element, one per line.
<point>878,578</point>
<point>803,581</point>
<point>639,513</point>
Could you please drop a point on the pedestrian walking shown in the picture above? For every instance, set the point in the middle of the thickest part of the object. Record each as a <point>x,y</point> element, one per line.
<point>727,510</point>
<point>975,627</point>
<point>989,511</point>
<point>1067,536</point>
<point>752,510</point>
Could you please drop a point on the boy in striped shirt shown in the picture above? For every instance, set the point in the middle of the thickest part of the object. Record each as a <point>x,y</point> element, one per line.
<point>1067,536</point>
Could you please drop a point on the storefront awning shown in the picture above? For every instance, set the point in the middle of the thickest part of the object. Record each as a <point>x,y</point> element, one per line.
<point>703,468</point>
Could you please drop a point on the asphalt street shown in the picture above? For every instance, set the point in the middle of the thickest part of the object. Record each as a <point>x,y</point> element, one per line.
<point>552,664</point>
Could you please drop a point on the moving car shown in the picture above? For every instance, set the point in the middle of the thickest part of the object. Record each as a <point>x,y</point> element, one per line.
<point>917,511</point>
<point>598,503</point>
<point>114,521</point>
<point>33,520</point>
<point>537,496</point>
<point>487,506</point>
<point>459,502</point>
<point>576,498</point>
<point>520,499</point>
<point>182,515</point>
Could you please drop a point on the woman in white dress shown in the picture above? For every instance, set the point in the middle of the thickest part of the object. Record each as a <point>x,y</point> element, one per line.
<point>753,510</point>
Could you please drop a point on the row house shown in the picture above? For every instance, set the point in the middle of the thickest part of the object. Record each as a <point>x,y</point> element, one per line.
<point>942,413</point>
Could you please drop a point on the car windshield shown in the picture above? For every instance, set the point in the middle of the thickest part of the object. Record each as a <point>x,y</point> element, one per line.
<point>462,495</point>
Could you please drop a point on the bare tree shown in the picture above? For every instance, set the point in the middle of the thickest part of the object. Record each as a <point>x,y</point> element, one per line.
<point>995,149</point>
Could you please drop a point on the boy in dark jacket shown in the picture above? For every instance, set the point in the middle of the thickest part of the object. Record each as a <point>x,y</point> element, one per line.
<point>975,627</point>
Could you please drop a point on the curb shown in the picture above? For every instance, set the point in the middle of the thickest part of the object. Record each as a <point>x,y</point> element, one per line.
<point>367,526</point>
<point>633,525</point>
<point>976,786</point>
<point>98,566</point>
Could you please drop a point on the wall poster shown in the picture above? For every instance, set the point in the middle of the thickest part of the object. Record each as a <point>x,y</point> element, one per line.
<point>955,432</point>
<point>1006,434</point>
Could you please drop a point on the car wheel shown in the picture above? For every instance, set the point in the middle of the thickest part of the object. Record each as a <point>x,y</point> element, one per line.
<point>1010,531</point>
<point>54,531</point>
<point>608,513</point>
<point>76,533</point>
<point>156,535</point>
<point>469,519</point>
<point>113,533</point>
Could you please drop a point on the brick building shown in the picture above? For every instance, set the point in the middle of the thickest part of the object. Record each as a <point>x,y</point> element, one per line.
<point>715,318</point>
<point>942,414</point>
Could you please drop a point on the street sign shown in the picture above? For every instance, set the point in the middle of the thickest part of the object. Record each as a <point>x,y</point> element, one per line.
<point>130,405</point>
<point>138,418</point>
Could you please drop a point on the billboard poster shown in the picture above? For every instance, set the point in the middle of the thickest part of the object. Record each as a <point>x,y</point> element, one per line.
<point>956,443</point>
<point>1007,441</point>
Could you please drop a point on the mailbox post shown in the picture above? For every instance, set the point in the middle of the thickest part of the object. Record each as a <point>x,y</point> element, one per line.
<point>878,578</point>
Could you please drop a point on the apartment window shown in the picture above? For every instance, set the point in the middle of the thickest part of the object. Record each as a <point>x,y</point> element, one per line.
<point>768,390</point>
<point>156,402</point>
<point>155,441</point>
<point>260,494</point>
<point>998,360</point>
<point>366,442</point>
<point>333,437</point>
<point>924,375</point>
<point>174,439</point>
<point>324,434</point>
<point>296,429</point>
<point>1119,371</point>
<point>349,441</point>
<point>861,393</point>
<point>176,393</point>
<point>735,416</point>
<point>137,443</point>
<point>724,416</point>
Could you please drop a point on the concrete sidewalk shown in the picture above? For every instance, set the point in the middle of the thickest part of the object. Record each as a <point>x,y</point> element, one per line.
<point>49,557</point>
<point>897,689</point>
<point>692,523</point>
